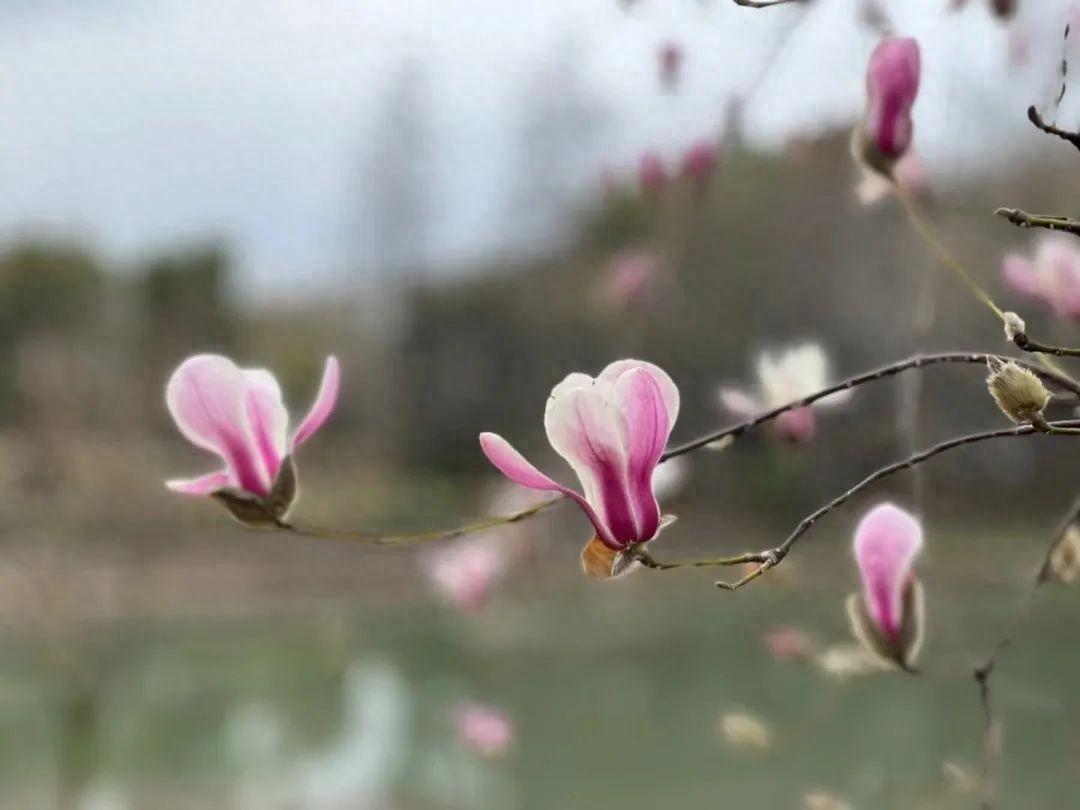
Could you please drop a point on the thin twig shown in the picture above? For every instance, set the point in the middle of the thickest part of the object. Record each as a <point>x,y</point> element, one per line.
<point>918,361</point>
<point>399,539</point>
<point>914,362</point>
<point>983,672</point>
<point>1035,347</point>
<point>1050,129</point>
<point>769,558</point>
<point>765,3</point>
<point>1022,219</point>
<point>944,255</point>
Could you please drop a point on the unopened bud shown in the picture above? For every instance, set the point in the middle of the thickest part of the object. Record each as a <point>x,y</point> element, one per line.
<point>1019,393</point>
<point>1064,562</point>
<point>1014,325</point>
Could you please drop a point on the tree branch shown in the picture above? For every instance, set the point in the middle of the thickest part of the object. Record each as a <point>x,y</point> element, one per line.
<point>765,3</point>
<point>1050,129</point>
<point>983,672</point>
<point>1022,219</point>
<point>915,362</point>
<point>769,558</point>
<point>1035,347</point>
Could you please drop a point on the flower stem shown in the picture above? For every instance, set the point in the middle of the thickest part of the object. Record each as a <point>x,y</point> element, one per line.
<point>398,539</point>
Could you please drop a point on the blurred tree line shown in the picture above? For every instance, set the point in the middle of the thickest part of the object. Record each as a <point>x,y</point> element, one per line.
<point>776,250</point>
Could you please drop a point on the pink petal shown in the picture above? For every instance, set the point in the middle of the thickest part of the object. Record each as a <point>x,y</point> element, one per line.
<point>887,541</point>
<point>203,485</point>
<point>668,389</point>
<point>207,397</point>
<point>892,84</point>
<point>1019,274</point>
<point>514,466</point>
<point>797,425</point>
<point>487,731</point>
<point>638,397</point>
<point>587,431</point>
<point>325,402</point>
<point>268,419</point>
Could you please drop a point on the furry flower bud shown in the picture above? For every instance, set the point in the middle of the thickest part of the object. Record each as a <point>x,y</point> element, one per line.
<point>1019,393</point>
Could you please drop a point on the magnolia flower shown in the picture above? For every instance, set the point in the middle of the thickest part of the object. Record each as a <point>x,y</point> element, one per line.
<point>612,430</point>
<point>630,278</point>
<point>789,644</point>
<point>652,174</point>
<point>784,378</point>
<point>699,161</point>
<point>487,731</point>
<point>888,616</point>
<point>464,572</point>
<point>238,415</point>
<point>1051,275</point>
<point>892,83</point>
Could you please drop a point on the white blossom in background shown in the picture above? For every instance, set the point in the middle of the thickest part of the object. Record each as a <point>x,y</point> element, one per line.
<point>784,377</point>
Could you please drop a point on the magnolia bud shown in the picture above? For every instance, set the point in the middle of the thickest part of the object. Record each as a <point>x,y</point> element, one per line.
<point>1014,325</point>
<point>892,84</point>
<point>1064,562</point>
<point>1019,393</point>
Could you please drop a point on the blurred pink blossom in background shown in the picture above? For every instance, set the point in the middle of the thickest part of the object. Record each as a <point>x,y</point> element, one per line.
<point>464,573</point>
<point>782,378</point>
<point>699,162</point>
<point>1051,275</point>
<point>789,644</point>
<point>485,730</point>
<point>630,278</point>
<point>652,174</point>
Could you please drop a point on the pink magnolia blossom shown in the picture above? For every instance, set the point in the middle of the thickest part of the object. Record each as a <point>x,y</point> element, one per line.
<point>465,572</point>
<point>630,278</point>
<point>892,83</point>
<point>699,161</point>
<point>612,430</point>
<point>783,378</point>
<point>789,644</point>
<point>238,415</point>
<point>887,617</point>
<point>1052,275</point>
<point>652,174</point>
<point>486,730</point>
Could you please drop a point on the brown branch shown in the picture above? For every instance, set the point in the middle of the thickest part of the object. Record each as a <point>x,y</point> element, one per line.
<point>772,557</point>
<point>1050,129</point>
<point>918,361</point>
<point>915,362</point>
<point>1022,219</point>
<point>765,3</point>
<point>983,672</point>
<point>1035,347</point>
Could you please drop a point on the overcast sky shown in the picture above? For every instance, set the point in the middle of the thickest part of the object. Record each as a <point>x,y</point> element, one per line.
<point>139,125</point>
